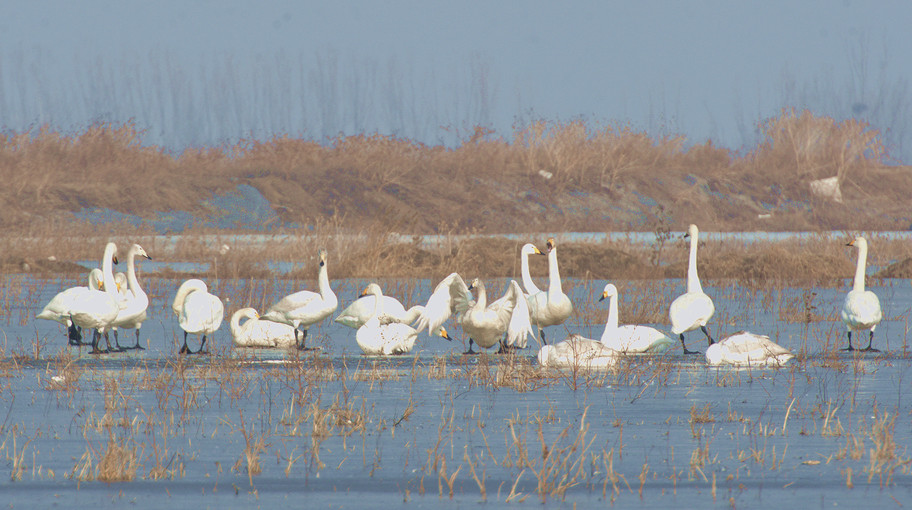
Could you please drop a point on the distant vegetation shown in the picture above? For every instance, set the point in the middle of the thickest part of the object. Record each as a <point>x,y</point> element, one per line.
<point>551,176</point>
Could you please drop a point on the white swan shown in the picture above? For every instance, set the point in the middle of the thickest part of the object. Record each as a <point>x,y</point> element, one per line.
<point>577,352</point>
<point>694,308</point>
<point>58,307</point>
<point>357,313</point>
<point>630,339</point>
<point>528,283</point>
<point>861,309</point>
<point>747,349</point>
<point>97,309</point>
<point>198,312</point>
<point>383,335</point>
<point>549,307</point>
<point>305,308</point>
<point>259,333</point>
<point>505,321</point>
<point>133,300</point>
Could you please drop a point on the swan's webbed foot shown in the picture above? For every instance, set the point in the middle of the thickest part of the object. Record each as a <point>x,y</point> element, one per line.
<point>869,349</point>
<point>471,351</point>
<point>870,341</point>
<point>849,348</point>
<point>185,349</point>
<point>202,346</point>
<point>686,350</point>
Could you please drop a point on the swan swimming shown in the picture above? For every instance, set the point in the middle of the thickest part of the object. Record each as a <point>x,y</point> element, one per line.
<point>747,349</point>
<point>254,332</point>
<point>861,309</point>
<point>97,309</point>
<point>133,300</point>
<point>577,352</point>
<point>198,312</point>
<point>305,308</point>
<point>486,325</point>
<point>549,307</point>
<point>630,339</point>
<point>694,308</point>
<point>58,307</point>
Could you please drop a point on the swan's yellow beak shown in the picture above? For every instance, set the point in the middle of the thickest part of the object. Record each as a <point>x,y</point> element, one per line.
<point>604,296</point>
<point>364,292</point>
<point>443,334</point>
<point>538,252</point>
<point>851,243</point>
<point>114,259</point>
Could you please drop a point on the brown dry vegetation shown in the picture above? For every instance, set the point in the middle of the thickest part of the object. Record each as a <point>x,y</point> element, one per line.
<point>602,178</point>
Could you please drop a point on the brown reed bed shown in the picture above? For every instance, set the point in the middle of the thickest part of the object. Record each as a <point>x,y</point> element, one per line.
<point>554,176</point>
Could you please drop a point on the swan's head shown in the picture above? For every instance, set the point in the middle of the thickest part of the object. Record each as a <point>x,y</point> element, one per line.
<point>551,244</point>
<point>120,281</point>
<point>443,334</point>
<point>475,283</point>
<point>531,249</point>
<point>372,289</point>
<point>322,257</point>
<point>692,231</point>
<point>859,242</point>
<point>96,279</point>
<point>138,250</point>
<point>110,252</point>
<point>610,291</point>
<point>714,354</point>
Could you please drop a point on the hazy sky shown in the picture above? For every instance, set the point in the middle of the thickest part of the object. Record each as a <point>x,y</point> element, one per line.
<point>204,72</point>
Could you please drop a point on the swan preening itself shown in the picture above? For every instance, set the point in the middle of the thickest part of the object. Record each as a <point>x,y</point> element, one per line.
<point>630,339</point>
<point>59,306</point>
<point>747,349</point>
<point>254,332</point>
<point>546,307</point>
<point>381,334</point>
<point>198,312</point>
<point>505,321</point>
<point>577,352</point>
<point>362,309</point>
<point>861,309</point>
<point>305,308</point>
<point>133,300</point>
<point>694,308</point>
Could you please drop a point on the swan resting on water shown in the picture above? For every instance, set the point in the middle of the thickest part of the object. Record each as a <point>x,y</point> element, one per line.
<point>577,352</point>
<point>254,332</point>
<point>747,349</point>
<point>861,309</point>
<point>630,339</point>
<point>694,308</point>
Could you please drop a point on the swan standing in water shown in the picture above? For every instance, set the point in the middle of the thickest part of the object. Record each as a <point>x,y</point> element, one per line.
<point>861,309</point>
<point>97,309</point>
<point>577,352</point>
<point>381,334</point>
<point>630,339</point>
<point>486,325</point>
<point>694,308</point>
<point>58,307</point>
<point>198,312</point>
<point>259,333</point>
<point>133,300</point>
<point>550,307</point>
<point>747,349</point>
<point>305,308</point>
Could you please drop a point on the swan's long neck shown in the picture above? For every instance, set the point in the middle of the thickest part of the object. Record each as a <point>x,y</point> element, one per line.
<point>482,301</point>
<point>107,270</point>
<point>235,324</point>
<point>859,284</point>
<point>554,281</point>
<point>612,322</point>
<point>323,282</point>
<point>132,282</point>
<point>528,284</point>
<point>378,298</point>
<point>412,314</point>
<point>693,280</point>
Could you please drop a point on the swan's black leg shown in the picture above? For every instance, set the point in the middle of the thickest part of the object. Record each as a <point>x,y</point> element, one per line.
<point>137,346</point>
<point>96,336</point>
<point>542,333</point>
<point>850,348</point>
<point>870,341</point>
<point>108,341</point>
<point>74,336</point>
<point>706,332</point>
<point>470,351</point>
<point>202,344</point>
<point>117,342</point>
<point>686,350</point>
<point>184,348</point>
<point>303,347</point>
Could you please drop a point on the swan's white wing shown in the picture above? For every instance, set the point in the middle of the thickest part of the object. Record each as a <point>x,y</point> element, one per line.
<point>578,352</point>
<point>357,313</point>
<point>633,339</point>
<point>132,310</point>
<point>450,296</point>
<point>690,311</point>
<point>861,310</point>
<point>745,348</point>
<point>58,308</point>
<point>520,325</point>
<point>202,313</point>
